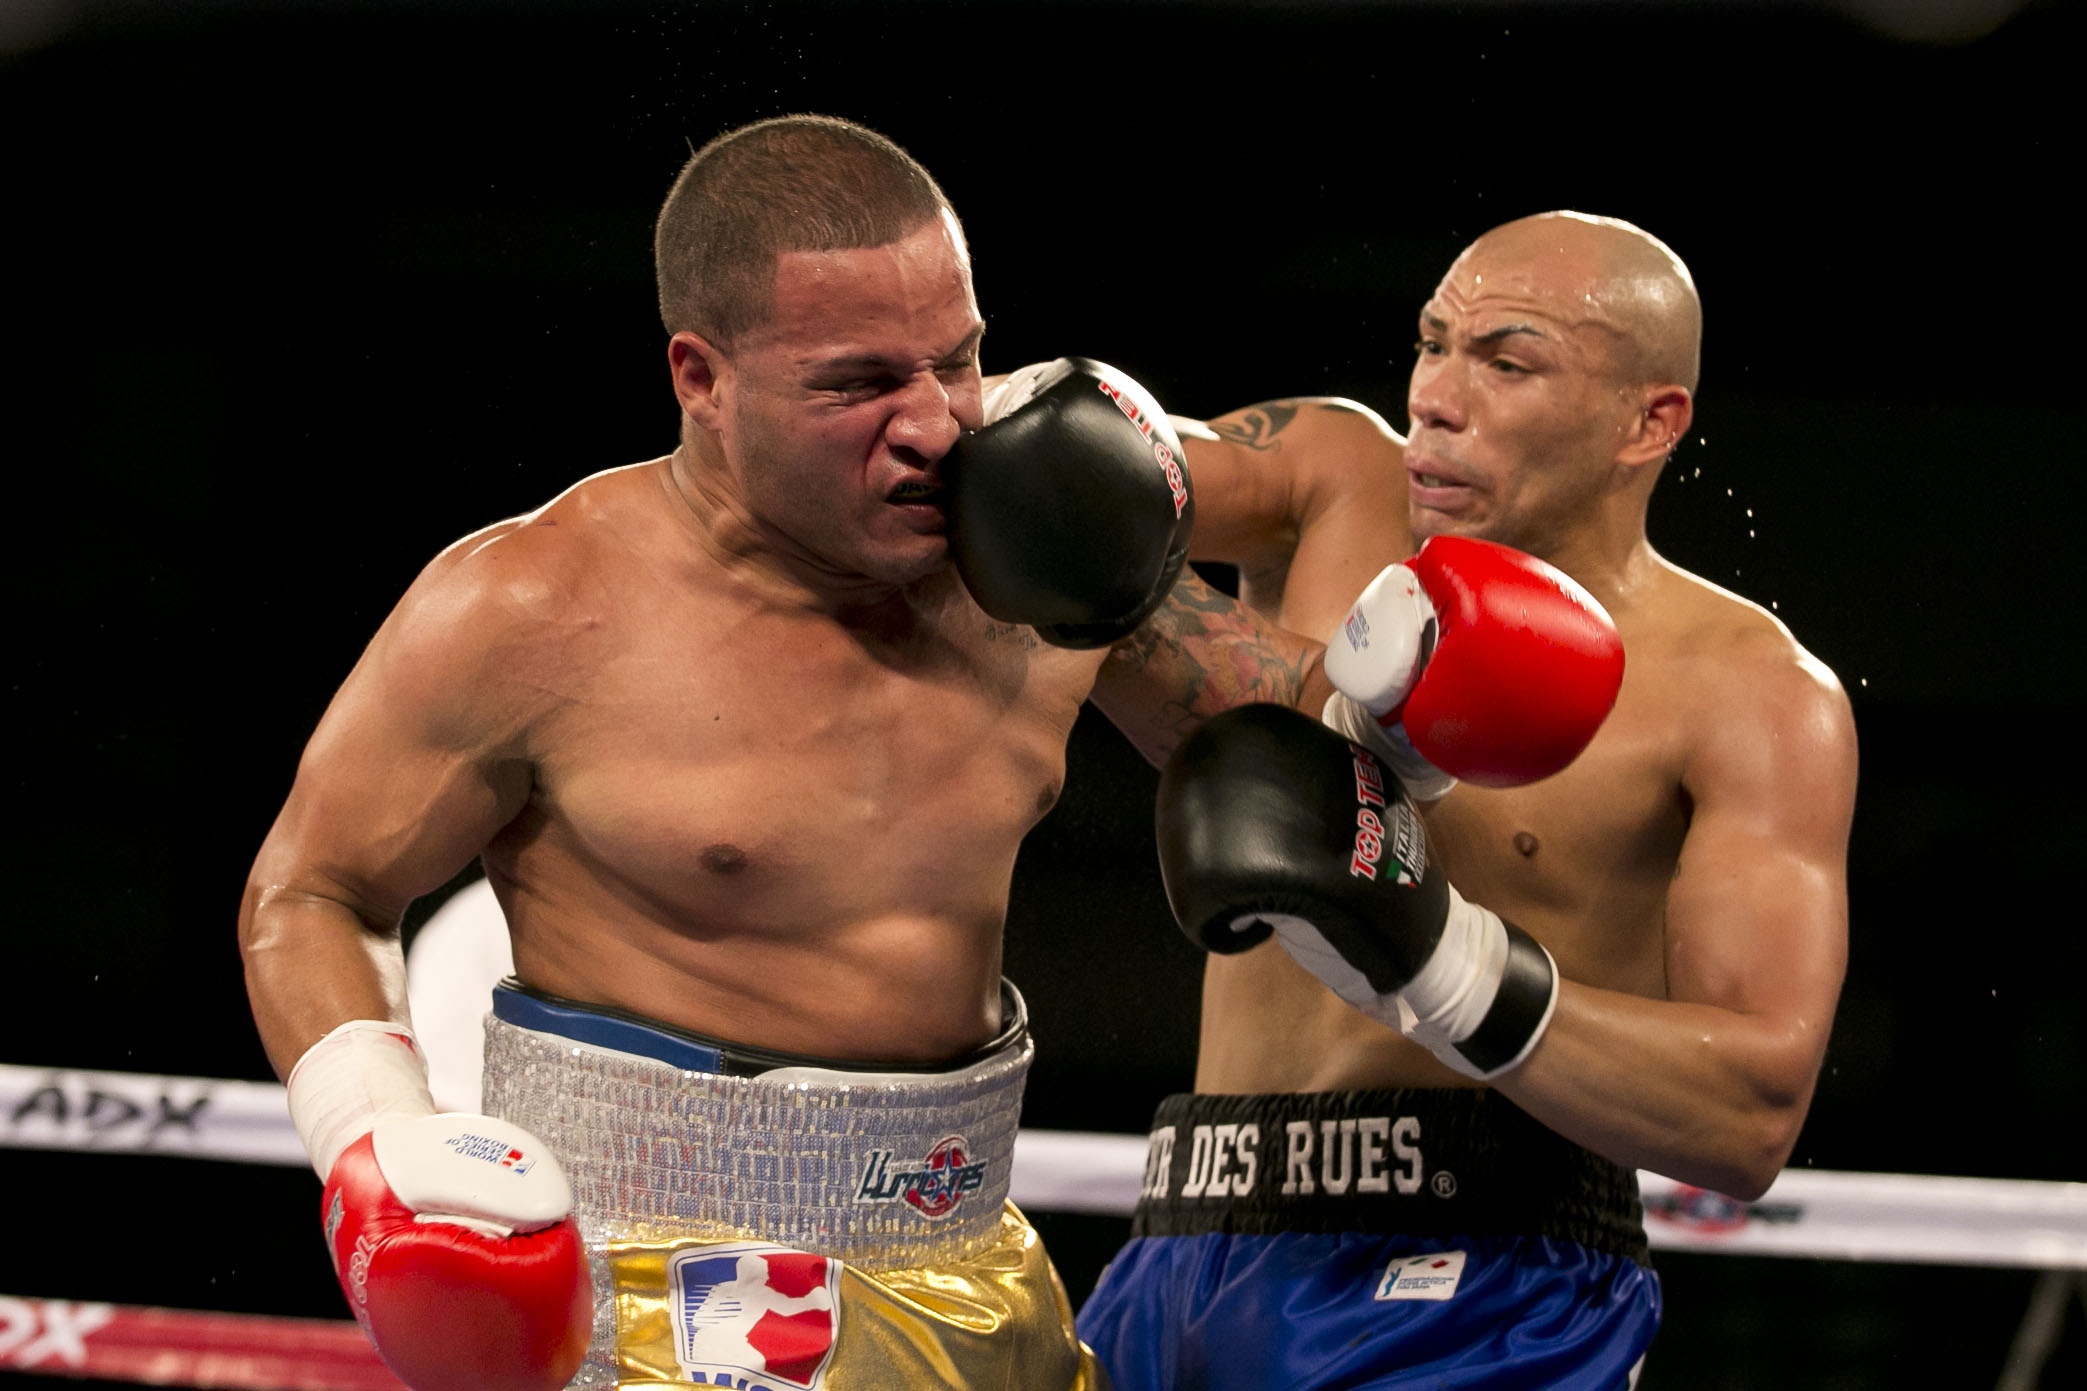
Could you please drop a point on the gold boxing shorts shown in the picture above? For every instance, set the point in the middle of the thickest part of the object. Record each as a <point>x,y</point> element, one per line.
<point>776,1223</point>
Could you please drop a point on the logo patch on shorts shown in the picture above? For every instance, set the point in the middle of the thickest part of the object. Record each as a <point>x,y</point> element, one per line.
<point>1431,1275</point>
<point>756,1316</point>
<point>934,1189</point>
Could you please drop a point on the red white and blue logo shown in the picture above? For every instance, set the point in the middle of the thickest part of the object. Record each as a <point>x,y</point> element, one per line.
<point>754,1316</point>
<point>933,1189</point>
<point>490,1149</point>
<point>1705,1213</point>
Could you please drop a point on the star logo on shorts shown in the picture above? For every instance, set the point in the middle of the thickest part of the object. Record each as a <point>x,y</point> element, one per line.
<point>934,1189</point>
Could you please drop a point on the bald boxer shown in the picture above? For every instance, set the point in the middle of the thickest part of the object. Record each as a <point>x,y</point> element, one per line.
<point>747,737</point>
<point>1344,1201</point>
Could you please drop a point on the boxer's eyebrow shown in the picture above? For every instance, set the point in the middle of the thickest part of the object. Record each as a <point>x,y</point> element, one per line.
<point>1437,324</point>
<point>969,347</point>
<point>1494,335</point>
<point>868,361</point>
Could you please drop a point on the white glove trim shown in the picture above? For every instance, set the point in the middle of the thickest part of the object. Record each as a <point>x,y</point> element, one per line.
<point>475,1171</point>
<point>1189,429</point>
<point>361,1074</point>
<point>1022,386</point>
<point>1308,947</point>
<point>1347,717</point>
<point>1377,653</point>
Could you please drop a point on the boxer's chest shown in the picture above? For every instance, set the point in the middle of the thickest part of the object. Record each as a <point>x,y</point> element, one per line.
<point>788,769</point>
<point>1584,858</point>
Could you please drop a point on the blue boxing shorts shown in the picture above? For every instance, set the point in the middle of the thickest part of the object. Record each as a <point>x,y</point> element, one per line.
<point>1384,1239</point>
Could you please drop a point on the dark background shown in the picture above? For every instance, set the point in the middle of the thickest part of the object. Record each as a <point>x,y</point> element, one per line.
<point>296,294</point>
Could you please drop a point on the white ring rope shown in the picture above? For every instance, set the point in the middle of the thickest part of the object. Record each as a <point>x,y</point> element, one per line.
<point>1808,1212</point>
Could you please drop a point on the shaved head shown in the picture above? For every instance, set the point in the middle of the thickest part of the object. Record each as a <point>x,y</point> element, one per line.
<point>1554,378</point>
<point>1603,273</point>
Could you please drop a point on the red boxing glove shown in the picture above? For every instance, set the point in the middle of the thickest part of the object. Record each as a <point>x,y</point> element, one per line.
<point>450,1233</point>
<point>451,1238</point>
<point>1499,667</point>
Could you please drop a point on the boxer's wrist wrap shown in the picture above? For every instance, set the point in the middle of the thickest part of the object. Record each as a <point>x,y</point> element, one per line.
<point>1484,997</point>
<point>1350,719</point>
<point>360,1075</point>
<point>1520,1012</point>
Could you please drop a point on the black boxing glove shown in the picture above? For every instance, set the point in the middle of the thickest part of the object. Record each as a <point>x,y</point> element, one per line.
<point>1269,822</point>
<point>1070,511</point>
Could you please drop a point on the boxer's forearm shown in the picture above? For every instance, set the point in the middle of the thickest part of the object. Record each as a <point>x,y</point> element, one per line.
<point>1201,653</point>
<point>1703,1095</point>
<point>312,963</point>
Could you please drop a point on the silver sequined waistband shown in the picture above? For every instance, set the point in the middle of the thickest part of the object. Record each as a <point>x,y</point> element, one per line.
<point>883,1170</point>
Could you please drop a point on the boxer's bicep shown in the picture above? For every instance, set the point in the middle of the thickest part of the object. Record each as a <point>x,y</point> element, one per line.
<point>1353,519</point>
<point>1245,504</point>
<point>416,762</point>
<point>1757,915</point>
<point>410,772</point>
<point>1269,472</point>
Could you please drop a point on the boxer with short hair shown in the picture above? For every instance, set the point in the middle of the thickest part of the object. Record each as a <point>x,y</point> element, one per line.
<point>747,738</point>
<point>1438,1048</point>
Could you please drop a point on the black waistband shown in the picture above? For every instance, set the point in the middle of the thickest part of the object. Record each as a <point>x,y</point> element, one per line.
<point>1427,1163</point>
<point>605,1026</point>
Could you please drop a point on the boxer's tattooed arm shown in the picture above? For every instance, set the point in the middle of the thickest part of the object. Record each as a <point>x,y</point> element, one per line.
<point>1257,426</point>
<point>1013,633</point>
<point>1200,653</point>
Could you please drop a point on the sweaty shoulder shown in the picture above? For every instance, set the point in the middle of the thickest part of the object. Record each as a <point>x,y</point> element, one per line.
<point>508,609</point>
<point>1746,678</point>
<point>540,563</point>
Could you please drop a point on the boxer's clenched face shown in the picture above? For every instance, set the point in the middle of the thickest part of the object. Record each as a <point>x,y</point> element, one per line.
<point>1517,405</point>
<point>840,406</point>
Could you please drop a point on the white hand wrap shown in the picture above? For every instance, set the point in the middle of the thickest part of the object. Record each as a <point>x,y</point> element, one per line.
<point>1452,997</point>
<point>1440,1007</point>
<point>362,1074</point>
<point>1423,781</point>
<point>1447,1002</point>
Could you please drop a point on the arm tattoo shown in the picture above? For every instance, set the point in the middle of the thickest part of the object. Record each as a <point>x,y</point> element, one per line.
<point>1013,633</point>
<point>1261,425</point>
<point>1202,652</point>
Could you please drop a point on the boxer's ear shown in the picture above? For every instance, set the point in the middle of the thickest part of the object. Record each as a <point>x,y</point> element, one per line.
<point>702,378</point>
<point>1664,413</point>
